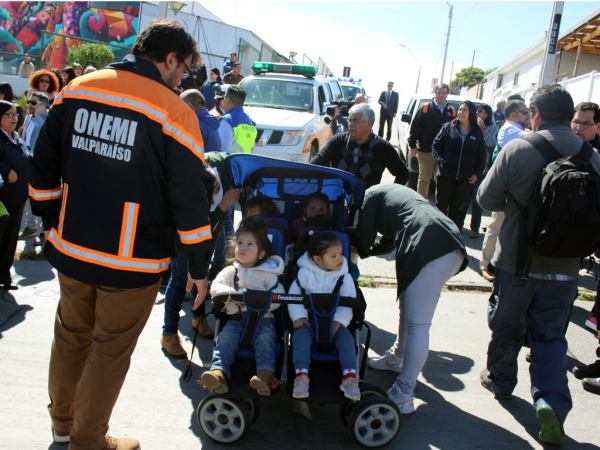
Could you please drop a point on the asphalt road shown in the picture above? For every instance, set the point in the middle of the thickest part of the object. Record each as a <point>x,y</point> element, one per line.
<point>453,410</point>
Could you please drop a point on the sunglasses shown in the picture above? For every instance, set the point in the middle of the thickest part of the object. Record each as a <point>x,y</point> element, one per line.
<point>10,115</point>
<point>481,110</point>
<point>32,102</point>
<point>44,80</point>
<point>525,111</point>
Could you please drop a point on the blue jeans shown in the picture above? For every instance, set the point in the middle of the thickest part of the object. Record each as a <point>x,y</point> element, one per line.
<point>476,210</point>
<point>343,341</point>
<point>175,294</point>
<point>542,309</point>
<point>229,338</point>
<point>221,247</point>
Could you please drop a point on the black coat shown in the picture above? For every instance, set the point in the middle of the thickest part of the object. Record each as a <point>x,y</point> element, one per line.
<point>427,123</point>
<point>13,157</point>
<point>392,105</point>
<point>460,160</point>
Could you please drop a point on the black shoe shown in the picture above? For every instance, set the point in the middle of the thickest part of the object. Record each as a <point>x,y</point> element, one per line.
<point>41,240</point>
<point>10,287</point>
<point>591,371</point>
<point>591,385</point>
<point>528,357</point>
<point>27,233</point>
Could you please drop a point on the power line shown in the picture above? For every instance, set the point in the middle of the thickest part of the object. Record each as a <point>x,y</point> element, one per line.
<point>465,15</point>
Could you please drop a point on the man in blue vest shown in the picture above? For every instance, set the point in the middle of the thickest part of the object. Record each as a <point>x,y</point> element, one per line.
<point>236,129</point>
<point>209,125</point>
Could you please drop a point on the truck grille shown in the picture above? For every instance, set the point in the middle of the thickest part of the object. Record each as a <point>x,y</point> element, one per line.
<point>275,137</point>
<point>258,135</point>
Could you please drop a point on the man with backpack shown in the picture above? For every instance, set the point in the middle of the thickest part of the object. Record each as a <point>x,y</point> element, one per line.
<point>536,273</point>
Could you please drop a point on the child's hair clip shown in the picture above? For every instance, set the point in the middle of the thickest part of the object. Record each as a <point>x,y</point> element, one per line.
<point>311,232</point>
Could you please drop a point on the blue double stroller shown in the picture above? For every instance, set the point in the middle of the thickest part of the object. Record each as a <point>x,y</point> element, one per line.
<point>373,421</point>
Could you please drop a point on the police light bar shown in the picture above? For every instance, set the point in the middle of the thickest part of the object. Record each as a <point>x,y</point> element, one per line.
<point>294,69</point>
<point>351,80</point>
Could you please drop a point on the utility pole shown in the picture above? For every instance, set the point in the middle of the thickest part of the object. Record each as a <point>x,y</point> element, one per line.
<point>451,72</point>
<point>163,10</point>
<point>551,43</point>
<point>447,39</point>
<point>471,72</point>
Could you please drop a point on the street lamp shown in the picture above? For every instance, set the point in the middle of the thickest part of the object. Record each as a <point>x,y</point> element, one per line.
<point>176,7</point>
<point>418,76</point>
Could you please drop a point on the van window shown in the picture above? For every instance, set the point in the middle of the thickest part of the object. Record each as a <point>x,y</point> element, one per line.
<point>328,92</point>
<point>337,92</point>
<point>321,99</point>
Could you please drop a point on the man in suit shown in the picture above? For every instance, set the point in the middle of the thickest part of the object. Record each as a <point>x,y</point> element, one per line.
<point>389,107</point>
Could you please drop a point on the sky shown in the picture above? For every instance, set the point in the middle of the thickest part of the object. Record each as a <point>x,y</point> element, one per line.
<point>366,36</point>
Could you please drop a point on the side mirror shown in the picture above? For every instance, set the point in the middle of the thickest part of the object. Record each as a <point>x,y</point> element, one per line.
<point>406,118</point>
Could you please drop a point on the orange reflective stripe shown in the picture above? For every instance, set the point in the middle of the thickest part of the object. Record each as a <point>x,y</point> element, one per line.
<point>62,210</point>
<point>152,111</point>
<point>105,259</point>
<point>130,216</point>
<point>425,107</point>
<point>453,110</point>
<point>50,194</point>
<point>195,236</point>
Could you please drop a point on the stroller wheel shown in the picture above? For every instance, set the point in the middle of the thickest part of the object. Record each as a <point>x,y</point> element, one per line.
<point>366,391</point>
<point>374,422</point>
<point>224,420</point>
<point>254,407</point>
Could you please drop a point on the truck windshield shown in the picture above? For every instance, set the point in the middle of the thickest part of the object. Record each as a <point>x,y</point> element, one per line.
<point>280,94</point>
<point>350,91</point>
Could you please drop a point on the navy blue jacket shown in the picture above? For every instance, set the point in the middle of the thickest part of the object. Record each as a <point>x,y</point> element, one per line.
<point>596,142</point>
<point>227,67</point>
<point>209,94</point>
<point>459,160</point>
<point>13,157</point>
<point>209,127</point>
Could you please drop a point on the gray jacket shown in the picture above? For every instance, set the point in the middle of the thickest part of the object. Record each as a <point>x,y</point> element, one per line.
<point>516,170</point>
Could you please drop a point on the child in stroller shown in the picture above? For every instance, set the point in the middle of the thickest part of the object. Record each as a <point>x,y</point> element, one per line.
<point>323,269</point>
<point>255,266</point>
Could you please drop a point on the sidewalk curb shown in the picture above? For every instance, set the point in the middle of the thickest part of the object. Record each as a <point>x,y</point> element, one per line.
<point>452,285</point>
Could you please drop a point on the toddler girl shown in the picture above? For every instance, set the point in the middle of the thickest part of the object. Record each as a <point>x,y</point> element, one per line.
<point>255,266</point>
<point>321,267</point>
<point>316,203</point>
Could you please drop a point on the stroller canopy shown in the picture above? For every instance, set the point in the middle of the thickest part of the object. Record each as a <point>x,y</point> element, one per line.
<point>281,179</point>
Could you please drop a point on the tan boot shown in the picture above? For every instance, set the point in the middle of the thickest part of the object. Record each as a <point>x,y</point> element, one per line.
<point>172,345</point>
<point>203,327</point>
<point>121,444</point>
<point>264,382</point>
<point>215,380</point>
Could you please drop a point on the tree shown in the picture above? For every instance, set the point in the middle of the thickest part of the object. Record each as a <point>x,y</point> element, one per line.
<point>468,77</point>
<point>97,55</point>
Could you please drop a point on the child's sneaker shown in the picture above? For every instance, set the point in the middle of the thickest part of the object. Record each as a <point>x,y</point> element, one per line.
<point>386,362</point>
<point>405,402</point>
<point>350,388</point>
<point>215,380</point>
<point>301,386</point>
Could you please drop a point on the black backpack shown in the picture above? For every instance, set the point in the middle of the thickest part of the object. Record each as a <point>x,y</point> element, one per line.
<point>562,218</point>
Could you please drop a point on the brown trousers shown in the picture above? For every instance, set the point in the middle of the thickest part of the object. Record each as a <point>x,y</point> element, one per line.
<point>95,332</point>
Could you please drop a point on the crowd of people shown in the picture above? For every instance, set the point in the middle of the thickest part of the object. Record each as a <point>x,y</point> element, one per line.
<point>172,205</point>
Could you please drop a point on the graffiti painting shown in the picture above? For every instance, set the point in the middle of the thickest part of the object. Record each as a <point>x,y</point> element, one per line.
<point>49,29</point>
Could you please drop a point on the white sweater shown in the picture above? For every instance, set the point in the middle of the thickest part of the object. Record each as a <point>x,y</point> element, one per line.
<point>259,278</point>
<point>315,280</point>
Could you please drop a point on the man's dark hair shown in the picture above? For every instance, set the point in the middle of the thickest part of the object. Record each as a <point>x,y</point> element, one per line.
<point>42,96</point>
<point>515,97</point>
<point>490,115</point>
<point>513,106</point>
<point>441,86</point>
<point>236,94</point>
<point>589,106</point>
<point>194,96</point>
<point>472,114</point>
<point>165,36</point>
<point>6,89</point>
<point>554,102</point>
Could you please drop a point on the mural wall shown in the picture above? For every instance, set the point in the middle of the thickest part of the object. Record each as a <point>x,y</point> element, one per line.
<point>49,29</point>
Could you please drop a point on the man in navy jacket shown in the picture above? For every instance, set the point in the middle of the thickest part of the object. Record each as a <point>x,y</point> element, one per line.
<point>209,124</point>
